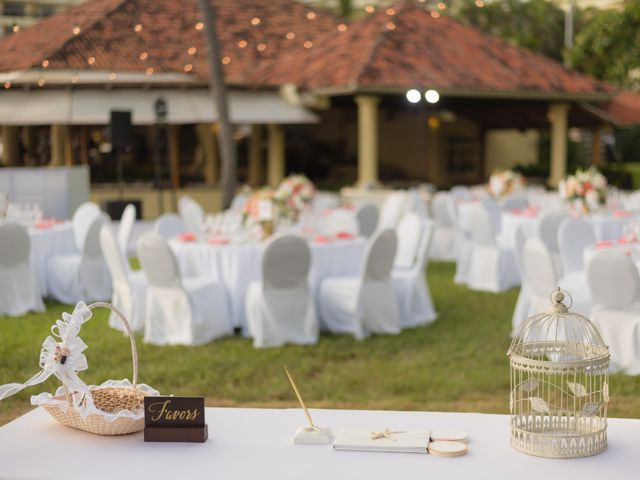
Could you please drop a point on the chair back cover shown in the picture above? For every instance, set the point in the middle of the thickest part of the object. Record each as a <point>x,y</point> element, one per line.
<point>81,221</point>
<point>15,245</point>
<point>409,234</point>
<point>337,221</point>
<point>125,229</point>
<point>518,247</point>
<point>113,256</point>
<point>158,261</point>
<point>515,201</point>
<point>192,214</point>
<point>460,192</point>
<point>415,204</point>
<point>482,232</point>
<point>392,209</point>
<point>574,235</point>
<point>538,268</point>
<point>548,229</point>
<point>613,280</point>
<point>169,225</point>
<point>367,217</point>
<point>379,256</point>
<point>285,263</point>
<point>441,209</point>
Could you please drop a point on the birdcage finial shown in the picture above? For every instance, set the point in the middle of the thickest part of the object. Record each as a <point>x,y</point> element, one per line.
<point>557,296</point>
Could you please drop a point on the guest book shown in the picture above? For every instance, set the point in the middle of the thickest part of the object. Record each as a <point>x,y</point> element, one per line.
<point>382,441</point>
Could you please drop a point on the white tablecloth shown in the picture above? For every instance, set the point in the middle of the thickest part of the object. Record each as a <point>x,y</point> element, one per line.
<point>255,444</point>
<point>237,265</point>
<point>57,239</point>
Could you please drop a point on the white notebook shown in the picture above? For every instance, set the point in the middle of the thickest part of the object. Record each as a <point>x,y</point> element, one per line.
<point>399,442</point>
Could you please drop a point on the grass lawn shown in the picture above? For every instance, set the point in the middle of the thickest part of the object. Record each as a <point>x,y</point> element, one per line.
<point>456,364</point>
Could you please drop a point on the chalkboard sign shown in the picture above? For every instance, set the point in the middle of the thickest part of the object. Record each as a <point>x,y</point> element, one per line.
<point>174,419</point>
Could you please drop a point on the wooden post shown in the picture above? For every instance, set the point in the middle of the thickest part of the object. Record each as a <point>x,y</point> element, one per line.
<point>174,156</point>
<point>11,150</point>
<point>83,140</point>
<point>207,133</point>
<point>255,157</point>
<point>60,146</point>
<point>367,140</point>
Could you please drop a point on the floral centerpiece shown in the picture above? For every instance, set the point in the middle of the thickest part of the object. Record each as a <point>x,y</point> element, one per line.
<point>585,191</point>
<point>261,209</point>
<point>505,182</point>
<point>294,194</point>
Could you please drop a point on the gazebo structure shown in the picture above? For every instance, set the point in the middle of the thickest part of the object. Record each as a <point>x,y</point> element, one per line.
<point>308,92</point>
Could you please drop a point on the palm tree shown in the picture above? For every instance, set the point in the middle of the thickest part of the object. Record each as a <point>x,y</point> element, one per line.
<point>218,91</point>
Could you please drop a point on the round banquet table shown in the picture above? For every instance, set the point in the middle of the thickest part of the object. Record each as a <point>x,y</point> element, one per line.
<point>237,265</point>
<point>46,241</point>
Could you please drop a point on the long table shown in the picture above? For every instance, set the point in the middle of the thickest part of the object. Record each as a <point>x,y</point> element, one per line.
<point>257,444</point>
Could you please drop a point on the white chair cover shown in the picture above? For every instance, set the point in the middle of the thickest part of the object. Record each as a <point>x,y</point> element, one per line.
<point>187,311</point>
<point>521,312</point>
<point>367,304</point>
<point>409,234</point>
<point>492,267</point>
<point>280,309</point>
<point>84,276</point>
<point>19,291</point>
<point>540,275</point>
<point>129,287</point>
<point>614,284</point>
<point>460,192</point>
<point>125,229</point>
<point>192,214</point>
<point>415,204</point>
<point>414,298</point>
<point>82,219</point>
<point>444,244</point>
<point>169,225</point>
<point>367,218</point>
<point>515,201</point>
<point>574,235</point>
<point>392,210</point>
<point>465,246</point>
<point>548,232</point>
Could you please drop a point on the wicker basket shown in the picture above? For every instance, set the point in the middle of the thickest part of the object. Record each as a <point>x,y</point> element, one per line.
<point>118,410</point>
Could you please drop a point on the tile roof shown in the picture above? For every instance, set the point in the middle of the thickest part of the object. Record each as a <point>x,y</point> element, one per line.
<point>625,108</point>
<point>405,47</point>
<point>109,37</point>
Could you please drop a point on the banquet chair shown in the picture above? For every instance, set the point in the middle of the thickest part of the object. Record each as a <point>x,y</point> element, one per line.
<point>82,218</point>
<point>367,217</point>
<point>412,292</point>
<point>521,311</point>
<point>408,233</point>
<point>415,204</point>
<point>539,275</point>
<point>192,214</point>
<point>514,202</point>
<point>574,236</point>
<point>125,229</point>
<point>365,304</point>
<point>280,309</point>
<point>185,311</point>
<point>614,285</point>
<point>19,290</point>
<point>492,267</point>
<point>129,288</point>
<point>392,210</point>
<point>81,276</point>
<point>444,244</point>
<point>548,232</point>
<point>460,192</point>
<point>169,225</point>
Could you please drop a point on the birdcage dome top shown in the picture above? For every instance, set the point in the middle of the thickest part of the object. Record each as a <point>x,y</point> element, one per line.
<point>558,335</point>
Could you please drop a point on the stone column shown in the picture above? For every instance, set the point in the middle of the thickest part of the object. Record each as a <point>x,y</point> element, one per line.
<point>558,117</point>
<point>275,159</point>
<point>596,147</point>
<point>60,145</point>
<point>367,140</point>
<point>208,136</point>
<point>11,150</point>
<point>255,174</point>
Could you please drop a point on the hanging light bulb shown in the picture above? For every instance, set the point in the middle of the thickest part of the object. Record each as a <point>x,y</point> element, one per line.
<point>75,78</point>
<point>290,35</point>
<point>112,76</point>
<point>255,21</point>
<point>432,96</point>
<point>144,56</point>
<point>15,27</point>
<point>137,28</point>
<point>308,44</point>
<point>76,29</point>
<point>91,60</point>
<point>311,15</point>
<point>413,95</point>
<point>149,71</point>
<point>261,47</point>
<point>188,67</point>
<point>342,27</point>
<point>41,82</point>
<point>192,50</point>
<point>45,63</point>
<point>242,43</point>
<point>199,26</point>
<point>226,60</point>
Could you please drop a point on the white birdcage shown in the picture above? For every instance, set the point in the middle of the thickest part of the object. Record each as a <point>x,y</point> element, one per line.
<point>559,385</point>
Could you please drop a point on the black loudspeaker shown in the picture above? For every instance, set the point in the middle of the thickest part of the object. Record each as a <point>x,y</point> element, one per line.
<point>121,131</point>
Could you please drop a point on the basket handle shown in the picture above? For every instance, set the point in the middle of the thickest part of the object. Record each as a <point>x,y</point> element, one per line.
<point>127,327</point>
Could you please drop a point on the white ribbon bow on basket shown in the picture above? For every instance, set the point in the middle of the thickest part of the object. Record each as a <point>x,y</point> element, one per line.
<point>61,356</point>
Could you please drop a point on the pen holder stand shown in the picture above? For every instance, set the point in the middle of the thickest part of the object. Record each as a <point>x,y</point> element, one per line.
<point>313,436</point>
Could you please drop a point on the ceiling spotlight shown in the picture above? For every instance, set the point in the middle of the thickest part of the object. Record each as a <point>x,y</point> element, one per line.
<point>432,96</point>
<point>413,95</point>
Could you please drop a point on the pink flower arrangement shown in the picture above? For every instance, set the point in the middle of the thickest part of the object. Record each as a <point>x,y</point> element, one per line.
<point>585,191</point>
<point>294,194</point>
<point>505,183</point>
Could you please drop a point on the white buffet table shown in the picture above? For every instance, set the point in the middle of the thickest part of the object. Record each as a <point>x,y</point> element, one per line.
<point>256,443</point>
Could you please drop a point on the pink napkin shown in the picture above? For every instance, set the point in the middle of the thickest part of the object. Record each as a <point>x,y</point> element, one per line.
<point>322,239</point>
<point>218,241</point>
<point>187,237</point>
<point>627,240</point>
<point>621,214</point>
<point>344,235</point>
<point>604,244</point>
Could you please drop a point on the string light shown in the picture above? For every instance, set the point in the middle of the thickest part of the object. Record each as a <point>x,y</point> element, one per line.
<point>144,56</point>
<point>199,26</point>
<point>391,11</point>
<point>242,43</point>
<point>149,71</point>
<point>391,26</point>
<point>369,8</point>
<point>442,5</point>
<point>226,60</point>
<point>261,47</point>
<point>91,60</point>
<point>290,35</point>
<point>188,67</point>
<point>192,50</point>
<point>435,14</point>
<point>255,21</point>
<point>308,44</point>
<point>479,3</point>
<point>45,63</point>
<point>413,95</point>
<point>311,15</point>
<point>137,28</point>
<point>432,96</point>
<point>112,76</point>
<point>41,82</point>
<point>7,85</point>
<point>76,29</point>
<point>342,27</point>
